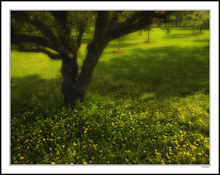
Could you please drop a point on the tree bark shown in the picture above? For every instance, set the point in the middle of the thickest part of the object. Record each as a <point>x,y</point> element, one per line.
<point>81,85</point>
<point>69,71</point>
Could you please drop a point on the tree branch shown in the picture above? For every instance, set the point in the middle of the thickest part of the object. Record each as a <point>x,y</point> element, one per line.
<point>30,18</point>
<point>162,14</point>
<point>79,38</point>
<point>51,55</point>
<point>130,25</point>
<point>64,29</point>
<point>61,17</point>
<point>100,26</point>
<point>22,38</point>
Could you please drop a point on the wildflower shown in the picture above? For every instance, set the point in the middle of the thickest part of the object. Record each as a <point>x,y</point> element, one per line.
<point>21,157</point>
<point>53,163</point>
<point>85,162</point>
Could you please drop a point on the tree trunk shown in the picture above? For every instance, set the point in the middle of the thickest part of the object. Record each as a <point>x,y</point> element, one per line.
<point>200,28</point>
<point>193,30</point>
<point>119,45</point>
<point>148,35</point>
<point>69,71</point>
<point>140,32</point>
<point>77,87</point>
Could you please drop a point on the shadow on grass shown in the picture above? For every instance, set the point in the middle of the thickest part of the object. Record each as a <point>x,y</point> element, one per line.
<point>165,71</point>
<point>177,36</point>
<point>202,40</point>
<point>26,90</point>
<point>148,74</point>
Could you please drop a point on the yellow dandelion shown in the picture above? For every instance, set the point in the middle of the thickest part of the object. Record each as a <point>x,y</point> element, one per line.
<point>53,163</point>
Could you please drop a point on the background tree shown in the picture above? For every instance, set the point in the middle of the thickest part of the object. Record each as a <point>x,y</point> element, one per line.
<point>197,18</point>
<point>179,17</point>
<point>203,18</point>
<point>53,35</point>
<point>172,19</point>
<point>148,28</point>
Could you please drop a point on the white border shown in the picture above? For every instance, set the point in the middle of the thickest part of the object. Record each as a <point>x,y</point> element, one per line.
<point>89,5</point>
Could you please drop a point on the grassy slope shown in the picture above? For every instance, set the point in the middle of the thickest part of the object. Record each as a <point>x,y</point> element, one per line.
<point>147,105</point>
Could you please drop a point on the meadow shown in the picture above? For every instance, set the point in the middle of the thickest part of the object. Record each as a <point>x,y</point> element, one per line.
<point>147,105</point>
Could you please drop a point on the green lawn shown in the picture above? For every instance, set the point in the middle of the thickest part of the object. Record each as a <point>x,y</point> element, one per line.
<point>148,105</point>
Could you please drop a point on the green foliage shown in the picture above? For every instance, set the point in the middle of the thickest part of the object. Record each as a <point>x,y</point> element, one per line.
<point>81,19</point>
<point>147,106</point>
<point>166,29</point>
<point>197,18</point>
<point>172,18</point>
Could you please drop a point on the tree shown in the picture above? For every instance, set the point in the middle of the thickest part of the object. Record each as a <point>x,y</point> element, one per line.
<point>148,28</point>
<point>54,31</point>
<point>172,19</point>
<point>179,17</point>
<point>203,18</point>
<point>197,18</point>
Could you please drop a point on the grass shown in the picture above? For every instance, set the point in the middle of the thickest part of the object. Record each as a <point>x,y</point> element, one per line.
<point>149,105</point>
